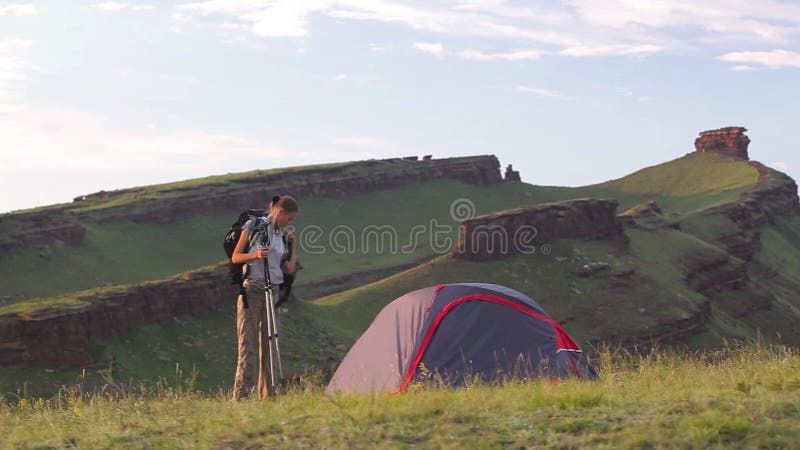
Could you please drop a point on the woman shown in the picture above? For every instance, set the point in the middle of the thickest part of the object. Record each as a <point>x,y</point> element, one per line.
<point>261,239</point>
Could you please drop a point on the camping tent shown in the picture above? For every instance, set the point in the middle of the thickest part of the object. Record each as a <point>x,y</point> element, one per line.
<point>456,332</point>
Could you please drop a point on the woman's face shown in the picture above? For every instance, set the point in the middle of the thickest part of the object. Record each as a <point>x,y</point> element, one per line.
<point>283,218</point>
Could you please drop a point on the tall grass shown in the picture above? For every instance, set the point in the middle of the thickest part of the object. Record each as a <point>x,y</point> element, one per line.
<point>742,396</point>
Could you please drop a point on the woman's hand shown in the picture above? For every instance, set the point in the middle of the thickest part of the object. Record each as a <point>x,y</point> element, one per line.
<point>262,253</point>
<point>290,237</point>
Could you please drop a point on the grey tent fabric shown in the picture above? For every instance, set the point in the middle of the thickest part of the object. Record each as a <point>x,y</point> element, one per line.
<point>377,361</point>
<point>456,332</point>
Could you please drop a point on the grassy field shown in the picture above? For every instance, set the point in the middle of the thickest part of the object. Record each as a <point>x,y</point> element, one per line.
<point>737,397</point>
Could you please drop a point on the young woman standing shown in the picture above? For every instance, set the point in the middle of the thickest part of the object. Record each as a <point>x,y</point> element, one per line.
<point>261,240</point>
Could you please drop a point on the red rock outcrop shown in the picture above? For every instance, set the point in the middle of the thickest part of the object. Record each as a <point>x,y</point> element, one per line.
<point>511,175</point>
<point>520,230</point>
<point>729,140</point>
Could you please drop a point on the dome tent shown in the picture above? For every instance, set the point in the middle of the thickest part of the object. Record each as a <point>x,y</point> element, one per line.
<point>458,331</point>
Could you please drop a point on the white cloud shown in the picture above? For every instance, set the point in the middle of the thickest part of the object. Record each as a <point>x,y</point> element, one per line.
<point>360,141</point>
<point>15,66</point>
<point>183,18</point>
<point>782,166</point>
<point>758,19</point>
<point>48,138</point>
<point>513,55</point>
<point>18,9</point>
<point>547,93</point>
<point>52,142</point>
<point>120,6</point>
<point>434,48</point>
<point>773,59</point>
<point>742,68</point>
<point>379,48</point>
<point>77,153</point>
<point>577,28</point>
<point>625,92</point>
<point>264,18</point>
<point>341,77</point>
<point>613,50</point>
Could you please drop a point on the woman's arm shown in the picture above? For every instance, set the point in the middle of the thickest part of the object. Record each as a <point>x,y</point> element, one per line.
<point>240,256</point>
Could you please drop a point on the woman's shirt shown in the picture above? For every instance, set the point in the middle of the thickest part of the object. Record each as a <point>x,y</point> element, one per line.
<point>255,268</point>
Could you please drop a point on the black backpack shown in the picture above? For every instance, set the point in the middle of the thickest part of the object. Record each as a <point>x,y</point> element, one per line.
<point>235,270</point>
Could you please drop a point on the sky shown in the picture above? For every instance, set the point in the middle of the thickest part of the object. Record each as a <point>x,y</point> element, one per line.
<point>108,95</point>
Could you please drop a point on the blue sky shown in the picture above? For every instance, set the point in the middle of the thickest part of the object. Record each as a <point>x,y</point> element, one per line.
<point>105,95</point>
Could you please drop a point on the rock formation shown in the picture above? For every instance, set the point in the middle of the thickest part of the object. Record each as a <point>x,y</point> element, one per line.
<point>504,233</point>
<point>729,140</point>
<point>41,227</point>
<point>61,337</point>
<point>511,175</point>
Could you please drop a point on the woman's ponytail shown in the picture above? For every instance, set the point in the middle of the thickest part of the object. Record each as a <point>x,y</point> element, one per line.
<point>287,203</point>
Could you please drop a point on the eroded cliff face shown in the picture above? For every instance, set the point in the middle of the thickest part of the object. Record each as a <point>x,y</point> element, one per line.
<point>62,337</point>
<point>775,195</point>
<point>729,140</point>
<point>39,228</point>
<point>501,234</point>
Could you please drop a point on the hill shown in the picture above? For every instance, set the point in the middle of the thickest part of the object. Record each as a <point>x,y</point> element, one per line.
<point>714,257</point>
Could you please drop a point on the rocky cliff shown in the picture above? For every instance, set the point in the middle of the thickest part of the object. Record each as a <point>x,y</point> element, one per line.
<point>61,337</point>
<point>38,228</point>
<point>775,195</point>
<point>503,233</point>
<point>729,140</point>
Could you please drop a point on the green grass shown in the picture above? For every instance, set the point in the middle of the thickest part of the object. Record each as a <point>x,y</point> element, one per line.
<point>696,173</point>
<point>146,354</point>
<point>741,397</point>
<point>692,182</point>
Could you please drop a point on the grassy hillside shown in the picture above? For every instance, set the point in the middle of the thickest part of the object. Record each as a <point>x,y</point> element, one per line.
<point>644,288</point>
<point>119,253</point>
<point>606,304</point>
<point>735,398</point>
